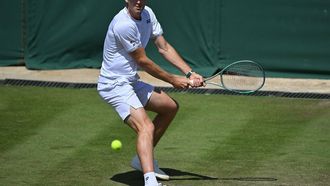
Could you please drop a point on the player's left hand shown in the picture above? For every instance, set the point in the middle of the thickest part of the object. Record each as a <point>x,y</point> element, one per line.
<point>197,80</point>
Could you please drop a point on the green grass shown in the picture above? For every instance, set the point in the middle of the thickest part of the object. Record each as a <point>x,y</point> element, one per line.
<point>51,136</point>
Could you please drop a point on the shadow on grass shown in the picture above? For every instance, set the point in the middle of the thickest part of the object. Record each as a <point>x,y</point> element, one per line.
<point>129,178</point>
<point>136,177</point>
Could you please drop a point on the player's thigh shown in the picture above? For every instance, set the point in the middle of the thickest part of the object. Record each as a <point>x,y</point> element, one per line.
<point>161,102</point>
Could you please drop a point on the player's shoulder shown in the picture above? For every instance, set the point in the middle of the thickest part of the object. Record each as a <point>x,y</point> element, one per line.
<point>122,22</point>
<point>149,14</point>
<point>149,10</point>
<point>122,16</point>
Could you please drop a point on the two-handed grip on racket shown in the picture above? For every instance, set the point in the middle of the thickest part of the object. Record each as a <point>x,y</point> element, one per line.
<point>191,83</point>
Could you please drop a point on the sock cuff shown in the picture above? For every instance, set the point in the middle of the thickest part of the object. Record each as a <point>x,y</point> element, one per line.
<point>150,178</point>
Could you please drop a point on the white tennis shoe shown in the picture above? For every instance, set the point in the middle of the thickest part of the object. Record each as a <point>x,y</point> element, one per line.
<point>135,164</point>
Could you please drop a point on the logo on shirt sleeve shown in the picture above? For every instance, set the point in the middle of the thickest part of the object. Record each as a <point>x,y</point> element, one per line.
<point>133,43</point>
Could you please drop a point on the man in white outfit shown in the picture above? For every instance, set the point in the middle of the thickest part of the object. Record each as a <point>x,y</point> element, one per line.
<point>119,85</point>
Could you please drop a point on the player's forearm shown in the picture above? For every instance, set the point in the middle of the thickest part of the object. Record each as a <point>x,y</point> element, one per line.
<point>156,71</point>
<point>171,55</point>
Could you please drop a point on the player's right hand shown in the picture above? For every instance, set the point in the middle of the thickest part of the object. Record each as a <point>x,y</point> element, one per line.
<point>180,82</point>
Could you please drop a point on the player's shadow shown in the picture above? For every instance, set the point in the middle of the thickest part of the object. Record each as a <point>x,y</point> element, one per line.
<point>136,177</point>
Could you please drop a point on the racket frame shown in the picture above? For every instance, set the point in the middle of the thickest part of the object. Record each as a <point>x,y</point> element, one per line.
<point>233,90</point>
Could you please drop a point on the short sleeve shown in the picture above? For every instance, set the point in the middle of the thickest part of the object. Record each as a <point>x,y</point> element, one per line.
<point>128,36</point>
<point>156,27</point>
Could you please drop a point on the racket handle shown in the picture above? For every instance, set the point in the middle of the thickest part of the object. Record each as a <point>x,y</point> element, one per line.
<point>191,82</point>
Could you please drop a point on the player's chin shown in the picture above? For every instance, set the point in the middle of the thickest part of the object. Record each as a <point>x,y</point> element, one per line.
<point>139,9</point>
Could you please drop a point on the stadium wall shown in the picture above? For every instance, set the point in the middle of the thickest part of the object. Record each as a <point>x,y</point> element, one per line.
<point>289,38</point>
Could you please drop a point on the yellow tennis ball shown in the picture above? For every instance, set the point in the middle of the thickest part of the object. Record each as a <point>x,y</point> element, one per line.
<point>116,145</point>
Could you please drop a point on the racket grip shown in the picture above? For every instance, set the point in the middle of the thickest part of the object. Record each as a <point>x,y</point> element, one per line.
<point>191,82</point>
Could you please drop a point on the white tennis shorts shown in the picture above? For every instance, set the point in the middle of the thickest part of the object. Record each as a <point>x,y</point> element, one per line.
<point>123,96</point>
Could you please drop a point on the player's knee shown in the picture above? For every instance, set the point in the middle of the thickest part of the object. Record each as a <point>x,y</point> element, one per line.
<point>148,128</point>
<point>175,106</point>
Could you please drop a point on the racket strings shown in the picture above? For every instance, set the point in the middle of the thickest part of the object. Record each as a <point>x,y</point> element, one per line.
<point>243,77</point>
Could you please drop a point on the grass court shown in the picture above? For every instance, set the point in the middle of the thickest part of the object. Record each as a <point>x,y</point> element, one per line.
<point>54,136</point>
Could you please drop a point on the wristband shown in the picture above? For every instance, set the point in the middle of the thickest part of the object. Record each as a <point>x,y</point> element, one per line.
<point>189,74</point>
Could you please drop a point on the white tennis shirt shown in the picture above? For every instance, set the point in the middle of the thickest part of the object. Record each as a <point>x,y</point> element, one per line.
<point>125,34</point>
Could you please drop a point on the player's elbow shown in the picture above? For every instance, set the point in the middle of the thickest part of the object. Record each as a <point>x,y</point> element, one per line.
<point>163,48</point>
<point>140,57</point>
<point>142,61</point>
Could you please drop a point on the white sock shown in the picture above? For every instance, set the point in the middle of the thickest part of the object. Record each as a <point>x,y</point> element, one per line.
<point>150,179</point>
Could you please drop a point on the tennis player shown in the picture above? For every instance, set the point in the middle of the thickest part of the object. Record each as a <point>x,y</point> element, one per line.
<point>120,86</point>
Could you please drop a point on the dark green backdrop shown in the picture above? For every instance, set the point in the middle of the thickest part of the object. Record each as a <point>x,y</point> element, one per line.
<point>289,38</point>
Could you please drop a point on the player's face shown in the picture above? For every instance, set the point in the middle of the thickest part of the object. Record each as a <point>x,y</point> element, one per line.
<point>135,7</point>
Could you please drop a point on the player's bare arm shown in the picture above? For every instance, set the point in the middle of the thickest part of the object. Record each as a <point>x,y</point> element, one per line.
<point>153,69</point>
<point>171,55</point>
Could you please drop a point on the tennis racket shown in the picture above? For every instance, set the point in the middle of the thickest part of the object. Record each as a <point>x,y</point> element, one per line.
<point>242,77</point>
